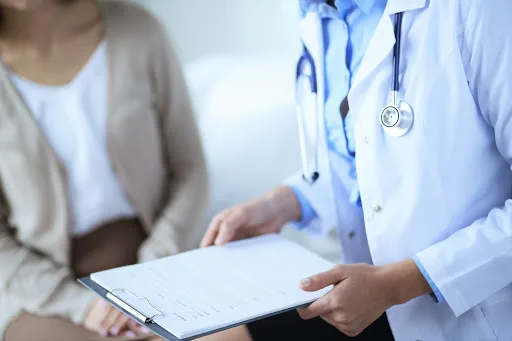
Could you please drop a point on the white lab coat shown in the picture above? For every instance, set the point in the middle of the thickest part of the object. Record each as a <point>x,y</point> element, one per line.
<point>442,192</point>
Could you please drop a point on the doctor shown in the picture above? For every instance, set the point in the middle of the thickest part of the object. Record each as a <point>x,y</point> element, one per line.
<point>420,191</point>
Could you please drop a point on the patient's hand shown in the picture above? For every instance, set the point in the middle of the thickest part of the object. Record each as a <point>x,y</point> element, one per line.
<point>108,321</point>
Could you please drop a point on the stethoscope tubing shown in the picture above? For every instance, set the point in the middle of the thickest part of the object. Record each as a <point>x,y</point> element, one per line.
<point>306,63</point>
<point>396,52</point>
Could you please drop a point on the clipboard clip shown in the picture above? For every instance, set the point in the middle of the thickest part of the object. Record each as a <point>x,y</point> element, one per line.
<point>133,311</point>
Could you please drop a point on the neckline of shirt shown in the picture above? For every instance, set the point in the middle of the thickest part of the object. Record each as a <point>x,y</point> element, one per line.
<point>86,70</point>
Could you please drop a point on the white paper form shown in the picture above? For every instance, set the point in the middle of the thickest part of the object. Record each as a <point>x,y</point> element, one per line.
<point>216,287</point>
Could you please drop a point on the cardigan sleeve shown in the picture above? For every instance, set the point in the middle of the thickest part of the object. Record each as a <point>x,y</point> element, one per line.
<point>178,227</point>
<point>33,283</point>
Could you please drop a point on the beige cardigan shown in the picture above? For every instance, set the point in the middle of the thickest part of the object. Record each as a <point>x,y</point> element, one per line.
<point>155,151</point>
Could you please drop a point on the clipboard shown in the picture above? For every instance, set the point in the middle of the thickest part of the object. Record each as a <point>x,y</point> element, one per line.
<point>151,322</point>
<point>148,322</point>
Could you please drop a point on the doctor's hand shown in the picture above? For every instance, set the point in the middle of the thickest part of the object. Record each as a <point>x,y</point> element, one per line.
<point>265,215</point>
<point>362,293</point>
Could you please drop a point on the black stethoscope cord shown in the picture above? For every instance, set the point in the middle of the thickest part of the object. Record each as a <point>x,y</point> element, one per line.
<point>396,51</point>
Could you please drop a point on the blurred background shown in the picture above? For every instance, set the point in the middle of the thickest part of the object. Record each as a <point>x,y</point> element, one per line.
<point>239,59</point>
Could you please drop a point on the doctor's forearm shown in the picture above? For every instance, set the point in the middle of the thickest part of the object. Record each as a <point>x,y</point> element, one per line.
<point>285,204</point>
<point>406,282</point>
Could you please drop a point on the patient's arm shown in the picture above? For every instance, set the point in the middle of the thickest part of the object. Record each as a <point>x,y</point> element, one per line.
<point>178,226</point>
<point>33,283</point>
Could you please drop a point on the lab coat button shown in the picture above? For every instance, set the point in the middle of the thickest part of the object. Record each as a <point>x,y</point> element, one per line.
<point>351,234</point>
<point>377,209</point>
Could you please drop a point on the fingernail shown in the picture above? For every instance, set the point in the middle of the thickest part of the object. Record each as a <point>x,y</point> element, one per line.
<point>103,332</point>
<point>130,334</point>
<point>305,283</point>
<point>114,331</point>
<point>218,241</point>
<point>132,324</point>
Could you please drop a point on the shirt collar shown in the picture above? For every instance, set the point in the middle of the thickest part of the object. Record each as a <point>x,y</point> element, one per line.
<point>365,5</point>
<point>321,5</point>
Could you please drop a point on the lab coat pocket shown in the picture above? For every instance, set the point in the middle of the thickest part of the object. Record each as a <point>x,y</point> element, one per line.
<point>497,310</point>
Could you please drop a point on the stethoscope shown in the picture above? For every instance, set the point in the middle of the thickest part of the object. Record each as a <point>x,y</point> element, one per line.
<point>396,118</point>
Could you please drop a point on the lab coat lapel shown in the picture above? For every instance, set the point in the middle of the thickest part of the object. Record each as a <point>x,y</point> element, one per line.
<point>381,45</point>
<point>397,6</point>
<point>380,48</point>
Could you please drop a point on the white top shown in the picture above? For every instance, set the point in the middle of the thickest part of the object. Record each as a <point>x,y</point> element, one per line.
<point>73,119</point>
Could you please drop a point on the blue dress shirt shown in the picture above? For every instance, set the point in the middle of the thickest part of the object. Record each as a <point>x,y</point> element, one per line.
<point>348,29</point>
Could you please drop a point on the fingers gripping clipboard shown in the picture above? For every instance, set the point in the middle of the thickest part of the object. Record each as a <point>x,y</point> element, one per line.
<point>202,292</point>
<point>151,322</point>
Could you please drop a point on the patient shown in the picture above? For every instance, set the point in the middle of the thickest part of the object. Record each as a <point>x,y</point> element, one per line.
<point>100,161</point>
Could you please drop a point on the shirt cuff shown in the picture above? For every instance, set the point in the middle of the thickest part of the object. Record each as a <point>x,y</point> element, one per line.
<point>308,214</point>
<point>436,295</point>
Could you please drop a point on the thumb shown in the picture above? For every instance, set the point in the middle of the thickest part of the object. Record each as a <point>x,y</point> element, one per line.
<point>324,279</point>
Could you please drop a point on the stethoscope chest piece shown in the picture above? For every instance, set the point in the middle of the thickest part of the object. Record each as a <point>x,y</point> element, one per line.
<point>397,119</point>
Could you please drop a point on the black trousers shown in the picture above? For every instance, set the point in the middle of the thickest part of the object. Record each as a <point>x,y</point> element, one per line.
<point>289,326</point>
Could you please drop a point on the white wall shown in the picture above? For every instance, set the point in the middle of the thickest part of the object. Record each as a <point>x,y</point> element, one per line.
<point>253,27</point>
<point>240,57</point>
